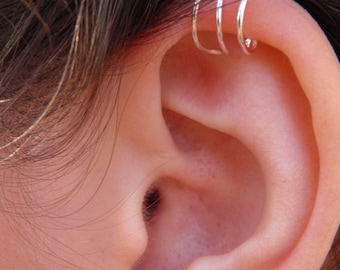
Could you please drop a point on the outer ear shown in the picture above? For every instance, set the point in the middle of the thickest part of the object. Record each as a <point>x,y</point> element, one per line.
<point>282,103</point>
<point>290,236</point>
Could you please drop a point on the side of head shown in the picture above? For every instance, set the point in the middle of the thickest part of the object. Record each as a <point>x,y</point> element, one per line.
<point>126,147</point>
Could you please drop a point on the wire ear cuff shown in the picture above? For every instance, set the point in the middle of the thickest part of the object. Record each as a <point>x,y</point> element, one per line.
<point>223,49</point>
<point>247,44</point>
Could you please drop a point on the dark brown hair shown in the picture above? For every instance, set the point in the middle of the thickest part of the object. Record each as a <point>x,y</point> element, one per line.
<point>53,53</point>
<point>52,58</point>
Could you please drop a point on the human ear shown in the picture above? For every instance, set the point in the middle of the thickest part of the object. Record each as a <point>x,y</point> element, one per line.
<point>253,145</point>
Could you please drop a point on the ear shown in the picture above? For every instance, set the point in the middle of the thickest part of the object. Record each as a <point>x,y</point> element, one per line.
<point>252,182</point>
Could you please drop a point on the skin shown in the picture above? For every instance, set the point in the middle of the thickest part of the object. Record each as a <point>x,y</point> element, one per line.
<point>244,167</point>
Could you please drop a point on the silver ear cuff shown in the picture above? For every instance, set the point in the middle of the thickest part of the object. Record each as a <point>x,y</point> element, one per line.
<point>247,44</point>
<point>219,32</point>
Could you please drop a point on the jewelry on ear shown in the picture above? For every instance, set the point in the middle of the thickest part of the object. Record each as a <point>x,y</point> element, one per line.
<point>219,32</point>
<point>247,44</point>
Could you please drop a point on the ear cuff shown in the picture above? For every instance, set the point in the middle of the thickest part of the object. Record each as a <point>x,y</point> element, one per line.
<point>247,44</point>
